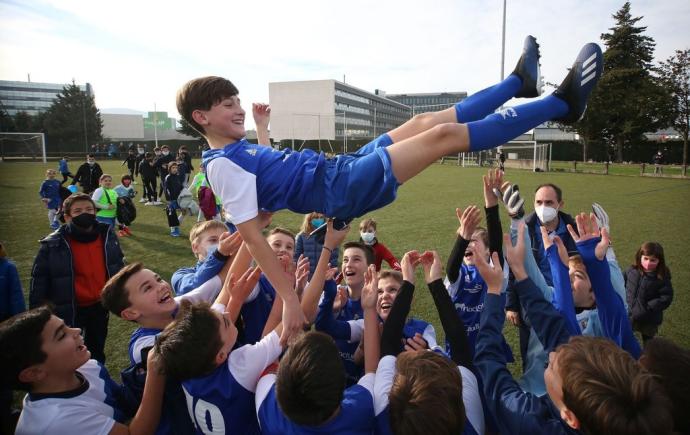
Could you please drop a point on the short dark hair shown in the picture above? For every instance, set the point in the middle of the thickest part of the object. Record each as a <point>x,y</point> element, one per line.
<point>559,192</point>
<point>202,94</point>
<point>281,230</point>
<point>114,296</point>
<point>670,364</point>
<point>311,380</point>
<point>608,391</point>
<point>426,395</point>
<point>188,346</point>
<point>20,345</point>
<point>126,177</point>
<point>90,155</point>
<point>70,200</point>
<point>368,252</point>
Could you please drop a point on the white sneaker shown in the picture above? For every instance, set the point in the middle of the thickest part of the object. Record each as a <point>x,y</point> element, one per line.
<point>157,203</point>
<point>142,200</point>
<point>150,203</point>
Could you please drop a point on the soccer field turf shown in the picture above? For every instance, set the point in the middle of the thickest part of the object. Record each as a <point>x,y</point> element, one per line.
<point>423,217</point>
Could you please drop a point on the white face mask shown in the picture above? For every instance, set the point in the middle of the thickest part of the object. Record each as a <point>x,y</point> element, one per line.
<point>210,249</point>
<point>546,214</point>
<point>368,238</point>
<point>165,153</point>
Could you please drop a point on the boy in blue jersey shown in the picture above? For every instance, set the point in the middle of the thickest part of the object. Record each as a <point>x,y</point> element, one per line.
<point>211,246</point>
<point>252,178</point>
<point>421,392</point>
<point>592,385</point>
<point>50,195</point>
<point>68,391</point>
<point>308,394</point>
<point>218,382</point>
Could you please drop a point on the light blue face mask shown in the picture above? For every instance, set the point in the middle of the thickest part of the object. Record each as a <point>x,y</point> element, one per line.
<point>317,222</point>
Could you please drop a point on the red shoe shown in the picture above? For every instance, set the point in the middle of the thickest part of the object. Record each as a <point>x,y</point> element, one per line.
<point>127,231</point>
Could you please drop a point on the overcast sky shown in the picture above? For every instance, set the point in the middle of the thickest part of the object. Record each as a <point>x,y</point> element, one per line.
<point>137,53</point>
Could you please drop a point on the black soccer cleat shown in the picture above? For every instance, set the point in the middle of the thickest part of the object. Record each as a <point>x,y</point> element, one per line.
<point>580,81</point>
<point>528,69</point>
<point>320,232</point>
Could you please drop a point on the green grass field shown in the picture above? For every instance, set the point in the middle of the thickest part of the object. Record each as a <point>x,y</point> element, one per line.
<point>423,217</point>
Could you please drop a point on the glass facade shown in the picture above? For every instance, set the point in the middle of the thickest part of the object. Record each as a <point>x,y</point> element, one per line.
<point>31,97</point>
<point>428,102</point>
<point>361,115</point>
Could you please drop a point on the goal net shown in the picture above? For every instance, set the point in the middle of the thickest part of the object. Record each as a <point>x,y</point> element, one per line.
<point>22,146</point>
<point>526,154</point>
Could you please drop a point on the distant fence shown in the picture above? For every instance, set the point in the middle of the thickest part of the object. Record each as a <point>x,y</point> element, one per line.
<point>603,168</point>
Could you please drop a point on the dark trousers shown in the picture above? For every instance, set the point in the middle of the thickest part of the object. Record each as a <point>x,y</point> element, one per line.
<point>171,213</point>
<point>66,176</point>
<point>93,320</point>
<point>150,188</point>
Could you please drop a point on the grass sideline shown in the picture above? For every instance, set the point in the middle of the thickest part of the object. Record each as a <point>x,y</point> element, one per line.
<point>423,217</point>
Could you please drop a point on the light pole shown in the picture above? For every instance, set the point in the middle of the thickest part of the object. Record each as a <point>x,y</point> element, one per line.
<point>83,114</point>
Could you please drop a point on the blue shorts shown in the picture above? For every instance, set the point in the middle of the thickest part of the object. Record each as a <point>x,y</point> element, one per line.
<point>355,184</point>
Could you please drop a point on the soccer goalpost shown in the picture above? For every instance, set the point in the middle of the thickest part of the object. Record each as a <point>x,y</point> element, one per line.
<point>22,145</point>
<point>519,154</point>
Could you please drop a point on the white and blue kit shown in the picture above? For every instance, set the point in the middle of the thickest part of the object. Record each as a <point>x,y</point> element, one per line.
<point>256,309</point>
<point>385,374</point>
<point>251,178</point>
<point>356,414</point>
<point>223,401</point>
<point>92,408</point>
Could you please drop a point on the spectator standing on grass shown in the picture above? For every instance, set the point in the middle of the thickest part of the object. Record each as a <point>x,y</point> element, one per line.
<point>88,174</point>
<point>131,160</point>
<point>649,290</point>
<point>64,169</point>
<point>71,268</point>
<point>658,163</point>
<point>162,163</point>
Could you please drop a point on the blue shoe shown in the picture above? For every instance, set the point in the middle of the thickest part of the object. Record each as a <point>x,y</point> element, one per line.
<point>528,69</point>
<point>175,232</point>
<point>580,81</point>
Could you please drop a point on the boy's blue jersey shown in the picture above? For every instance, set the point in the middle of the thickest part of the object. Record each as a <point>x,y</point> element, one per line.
<point>468,294</point>
<point>62,166</point>
<point>51,189</point>
<point>355,416</point>
<point>255,312</point>
<point>223,401</point>
<point>252,178</point>
<point>141,339</point>
<point>351,311</point>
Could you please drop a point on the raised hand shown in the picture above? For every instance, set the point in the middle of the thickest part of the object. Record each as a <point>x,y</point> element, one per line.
<point>301,274</point>
<point>492,183</point>
<point>262,114</point>
<point>431,262</point>
<point>334,237</point>
<point>408,264</point>
<point>588,229</point>
<point>515,255</point>
<point>416,343</point>
<point>229,244</point>
<point>514,203</point>
<point>492,274</point>
<point>548,242</point>
<point>370,290</point>
<point>469,219</point>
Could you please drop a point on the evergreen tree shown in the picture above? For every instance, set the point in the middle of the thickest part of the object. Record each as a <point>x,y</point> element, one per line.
<point>629,99</point>
<point>675,73</point>
<point>6,121</point>
<point>23,122</point>
<point>73,121</point>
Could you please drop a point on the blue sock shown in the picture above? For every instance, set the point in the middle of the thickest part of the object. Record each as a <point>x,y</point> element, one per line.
<point>499,128</point>
<point>482,103</point>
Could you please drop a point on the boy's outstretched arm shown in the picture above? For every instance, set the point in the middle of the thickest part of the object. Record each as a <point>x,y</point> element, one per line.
<point>372,352</point>
<point>592,245</point>
<point>469,219</point>
<point>293,317</point>
<point>147,417</point>
<point>393,326</point>
<point>312,293</point>
<point>262,116</point>
<point>452,323</point>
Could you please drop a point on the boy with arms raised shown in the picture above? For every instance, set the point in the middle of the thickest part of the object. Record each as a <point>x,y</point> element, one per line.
<point>250,178</point>
<point>592,385</point>
<point>68,391</point>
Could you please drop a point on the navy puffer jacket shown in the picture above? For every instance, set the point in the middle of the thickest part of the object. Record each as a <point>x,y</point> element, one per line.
<point>52,275</point>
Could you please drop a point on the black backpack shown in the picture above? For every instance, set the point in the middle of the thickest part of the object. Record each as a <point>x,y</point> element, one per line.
<point>126,211</point>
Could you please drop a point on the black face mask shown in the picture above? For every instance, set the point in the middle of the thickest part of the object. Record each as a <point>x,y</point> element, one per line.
<point>84,220</point>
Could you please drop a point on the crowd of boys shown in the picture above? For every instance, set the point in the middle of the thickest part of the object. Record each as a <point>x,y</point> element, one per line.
<point>228,346</point>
